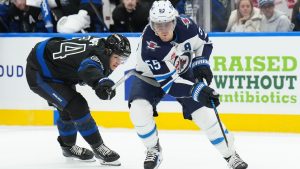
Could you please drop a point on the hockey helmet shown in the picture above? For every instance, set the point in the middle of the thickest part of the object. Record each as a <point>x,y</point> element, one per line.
<point>118,44</point>
<point>162,12</point>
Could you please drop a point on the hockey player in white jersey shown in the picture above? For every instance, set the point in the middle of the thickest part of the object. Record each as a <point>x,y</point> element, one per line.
<point>175,52</point>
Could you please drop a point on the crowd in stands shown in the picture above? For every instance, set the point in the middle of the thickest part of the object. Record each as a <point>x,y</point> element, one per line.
<point>71,16</point>
<point>248,18</point>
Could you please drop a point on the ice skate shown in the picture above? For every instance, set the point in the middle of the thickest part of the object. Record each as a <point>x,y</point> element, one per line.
<point>106,156</point>
<point>235,162</point>
<point>75,152</point>
<point>153,158</point>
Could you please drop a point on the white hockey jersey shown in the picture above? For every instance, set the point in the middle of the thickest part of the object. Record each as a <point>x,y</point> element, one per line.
<point>167,62</point>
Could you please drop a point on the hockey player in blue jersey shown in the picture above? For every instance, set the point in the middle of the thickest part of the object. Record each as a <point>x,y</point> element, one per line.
<point>56,65</point>
<point>175,52</point>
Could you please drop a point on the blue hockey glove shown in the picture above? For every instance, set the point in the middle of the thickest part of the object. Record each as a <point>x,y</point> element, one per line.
<point>201,70</point>
<point>204,94</point>
<point>103,89</point>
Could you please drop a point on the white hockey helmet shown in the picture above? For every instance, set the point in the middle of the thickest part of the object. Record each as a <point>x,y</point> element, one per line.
<point>162,12</point>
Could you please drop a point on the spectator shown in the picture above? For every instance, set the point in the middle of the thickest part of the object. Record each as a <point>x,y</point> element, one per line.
<point>296,16</point>
<point>245,18</point>
<point>273,20</point>
<point>97,23</point>
<point>220,14</point>
<point>81,16</point>
<point>4,15</point>
<point>130,16</point>
<point>28,16</point>
<point>25,17</point>
<point>68,16</point>
<point>286,6</point>
<point>180,6</point>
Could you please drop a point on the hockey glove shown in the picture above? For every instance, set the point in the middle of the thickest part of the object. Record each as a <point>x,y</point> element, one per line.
<point>201,70</point>
<point>103,89</point>
<point>204,94</point>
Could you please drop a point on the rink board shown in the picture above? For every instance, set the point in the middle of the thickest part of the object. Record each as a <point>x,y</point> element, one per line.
<point>256,74</point>
<point>166,121</point>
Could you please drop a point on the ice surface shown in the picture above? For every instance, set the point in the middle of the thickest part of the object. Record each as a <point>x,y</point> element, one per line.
<point>37,148</point>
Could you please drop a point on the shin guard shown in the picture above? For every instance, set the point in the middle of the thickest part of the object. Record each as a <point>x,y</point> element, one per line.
<point>67,131</point>
<point>206,119</point>
<point>141,114</point>
<point>88,129</point>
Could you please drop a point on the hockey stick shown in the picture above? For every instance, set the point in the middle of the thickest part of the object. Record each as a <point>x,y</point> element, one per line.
<point>218,118</point>
<point>128,75</point>
<point>219,121</point>
<point>98,15</point>
<point>136,74</point>
<point>4,24</point>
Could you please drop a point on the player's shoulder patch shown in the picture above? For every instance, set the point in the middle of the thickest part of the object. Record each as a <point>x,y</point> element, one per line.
<point>186,21</point>
<point>96,59</point>
<point>152,45</point>
<point>150,40</point>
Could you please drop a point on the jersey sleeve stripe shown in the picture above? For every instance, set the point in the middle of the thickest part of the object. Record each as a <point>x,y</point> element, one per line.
<point>88,63</point>
<point>40,57</point>
<point>167,86</point>
<point>160,78</point>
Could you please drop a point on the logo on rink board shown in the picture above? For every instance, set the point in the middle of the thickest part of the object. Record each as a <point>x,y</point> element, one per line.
<point>252,79</point>
<point>11,71</point>
<point>257,79</point>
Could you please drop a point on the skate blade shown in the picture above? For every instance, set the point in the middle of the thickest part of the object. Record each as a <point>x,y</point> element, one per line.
<point>77,159</point>
<point>113,163</point>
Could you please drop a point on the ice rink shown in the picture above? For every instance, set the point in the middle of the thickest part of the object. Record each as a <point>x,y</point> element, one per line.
<point>37,148</point>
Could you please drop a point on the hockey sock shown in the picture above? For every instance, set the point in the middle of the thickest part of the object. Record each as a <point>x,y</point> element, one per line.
<point>67,131</point>
<point>141,115</point>
<point>88,129</point>
<point>207,121</point>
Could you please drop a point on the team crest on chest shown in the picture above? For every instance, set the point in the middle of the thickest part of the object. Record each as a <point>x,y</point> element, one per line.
<point>186,22</point>
<point>181,62</point>
<point>152,45</point>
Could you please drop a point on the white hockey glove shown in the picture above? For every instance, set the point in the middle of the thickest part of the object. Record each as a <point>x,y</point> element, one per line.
<point>74,23</point>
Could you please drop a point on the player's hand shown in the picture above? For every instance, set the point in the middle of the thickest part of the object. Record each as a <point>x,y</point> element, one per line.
<point>103,89</point>
<point>201,70</point>
<point>204,94</point>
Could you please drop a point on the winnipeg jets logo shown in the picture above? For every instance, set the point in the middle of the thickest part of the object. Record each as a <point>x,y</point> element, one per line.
<point>69,48</point>
<point>182,62</point>
<point>186,22</point>
<point>152,45</point>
